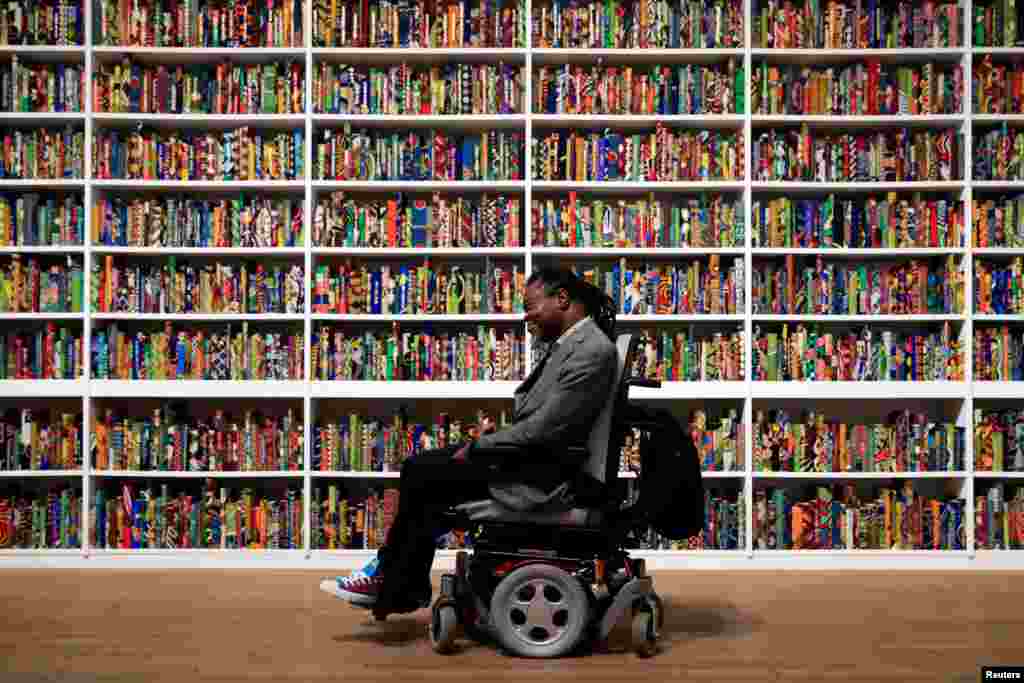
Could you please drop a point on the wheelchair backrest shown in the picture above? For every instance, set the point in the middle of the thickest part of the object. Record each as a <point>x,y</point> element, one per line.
<point>599,444</point>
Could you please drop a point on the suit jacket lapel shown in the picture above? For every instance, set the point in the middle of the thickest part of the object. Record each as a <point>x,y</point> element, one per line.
<point>558,356</point>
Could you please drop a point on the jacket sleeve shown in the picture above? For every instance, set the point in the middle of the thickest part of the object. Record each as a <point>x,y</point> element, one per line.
<point>584,381</point>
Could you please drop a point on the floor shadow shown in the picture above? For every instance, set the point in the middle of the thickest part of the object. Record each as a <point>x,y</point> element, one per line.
<point>690,620</point>
<point>393,632</point>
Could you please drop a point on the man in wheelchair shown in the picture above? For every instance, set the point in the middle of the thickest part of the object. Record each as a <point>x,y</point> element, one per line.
<point>544,491</point>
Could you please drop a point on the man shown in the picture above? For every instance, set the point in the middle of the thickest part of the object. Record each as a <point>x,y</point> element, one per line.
<point>555,407</point>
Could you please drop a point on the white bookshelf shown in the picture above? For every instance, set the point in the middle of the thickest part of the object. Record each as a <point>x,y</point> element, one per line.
<point>314,395</point>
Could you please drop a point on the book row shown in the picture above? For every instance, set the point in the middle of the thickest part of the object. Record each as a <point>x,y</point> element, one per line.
<point>408,221</point>
<point>185,221</point>
<point>42,22</point>
<point>668,289</point>
<point>170,440</point>
<point>52,520</point>
<point>859,89</point>
<point>49,353</point>
<point>240,154</point>
<point>690,355</point>
<point>419,23</point>
<point>998,24</point>
<point>998,520</point>
<point>42,87</point>
<point>906,442</point>
<point>813,286</point>
<point>420,154</point>
<point>710,220</point>
<point>198,23</point>
<point>998,354</point>
<point>32,219</point>
<point>661,155</point>
<point>449,89</point>
<point>220,353</point>
<point>836,518</point>
<point>998,287</point>
<point>637,24</point>
<point>222,88</point>
<point>42,153</point>
<point>340,520</point>
<point>855,24</point>
<point>418,290</point>
<point>425,355</point>
<point>144,517</point>
<point>998,88</point>
<point>725,526</point>
<point>40,285</point>
<point>196,287</point>
<point>899,155</point>
<point>656,89</point>
<point>889,221</point>
<point>998,154</point>
<point>47,439</point>
<point>873,353</point>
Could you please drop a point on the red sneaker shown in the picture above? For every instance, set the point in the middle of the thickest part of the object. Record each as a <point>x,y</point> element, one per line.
<point>359,590</point>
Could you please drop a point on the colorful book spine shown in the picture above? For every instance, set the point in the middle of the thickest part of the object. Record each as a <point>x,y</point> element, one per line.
<point>222,88</point>
<point>183,221</point>
<point>998,354</point>
<point>240,154</point>
<point>231,352</point>
<point>691,355</point>
<point>36,440</point>
<point>169,440</point>
<point>724,524</point>
<point>998,519</point>
<point>890,221</point>
<point>638,24</point>
<point>32,219</point>
<point>817,354</point>
<point>198,23</point>
<point>999,287</point>
<point>421,355</point>
<point>998,24</point>
<point>122,286</point>
<point>906,442</point>
<point>719,441</point>
<point>998,222</point>
<point>663,154</point>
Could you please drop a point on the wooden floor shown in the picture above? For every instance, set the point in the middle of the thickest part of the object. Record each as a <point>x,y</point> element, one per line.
<point>82,626</point>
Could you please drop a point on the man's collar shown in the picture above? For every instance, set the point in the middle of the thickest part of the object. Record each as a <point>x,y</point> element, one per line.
<point>568,332</point>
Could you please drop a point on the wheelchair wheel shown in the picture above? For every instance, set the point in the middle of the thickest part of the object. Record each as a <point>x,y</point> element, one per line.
<point>539,611</point>
<point>644,637</point>
<point>659,611</point>
<point>443,624</point>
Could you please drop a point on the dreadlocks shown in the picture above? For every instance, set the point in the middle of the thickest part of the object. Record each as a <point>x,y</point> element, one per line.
<point>598,305</point>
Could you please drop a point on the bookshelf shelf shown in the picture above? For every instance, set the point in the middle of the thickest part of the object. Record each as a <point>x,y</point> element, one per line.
<point>316,398</point>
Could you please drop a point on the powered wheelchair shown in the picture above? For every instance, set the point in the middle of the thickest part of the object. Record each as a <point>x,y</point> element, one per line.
<point>540,583</point>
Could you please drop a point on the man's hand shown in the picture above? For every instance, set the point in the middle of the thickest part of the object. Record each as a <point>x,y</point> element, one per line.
<point>487,426</point>
<point>462,455</point>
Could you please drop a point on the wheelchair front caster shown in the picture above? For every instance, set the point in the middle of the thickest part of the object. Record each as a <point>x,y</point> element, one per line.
<point>645,639</point>
<point>443,624</point>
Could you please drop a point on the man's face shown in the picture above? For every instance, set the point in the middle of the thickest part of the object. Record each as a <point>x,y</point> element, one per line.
<point>544,312</point>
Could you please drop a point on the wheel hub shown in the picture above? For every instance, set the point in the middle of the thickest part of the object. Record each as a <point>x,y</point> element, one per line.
<point>539,612</point>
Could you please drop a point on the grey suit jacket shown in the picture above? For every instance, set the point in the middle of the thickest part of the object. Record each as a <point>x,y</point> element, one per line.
<point>554,409</point>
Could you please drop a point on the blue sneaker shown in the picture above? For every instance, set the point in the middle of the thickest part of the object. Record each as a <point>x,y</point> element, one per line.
<point>342,586</point>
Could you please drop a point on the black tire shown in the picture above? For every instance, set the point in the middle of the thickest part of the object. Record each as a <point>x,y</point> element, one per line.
<point>539,611</point>
<point>443,624</point>
<point>644,641</point>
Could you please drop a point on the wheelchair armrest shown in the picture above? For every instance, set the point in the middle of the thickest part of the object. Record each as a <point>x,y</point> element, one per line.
<point>643,382</point>
<point>498,454</point>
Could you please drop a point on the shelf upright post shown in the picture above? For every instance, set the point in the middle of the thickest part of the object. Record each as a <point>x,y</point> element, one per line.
<point>967,409</point>
<point>748,341</point>
<point>307,242</point>
<point>87,201</point>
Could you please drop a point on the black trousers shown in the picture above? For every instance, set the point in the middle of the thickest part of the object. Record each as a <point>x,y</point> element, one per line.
<point>430,484</point>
